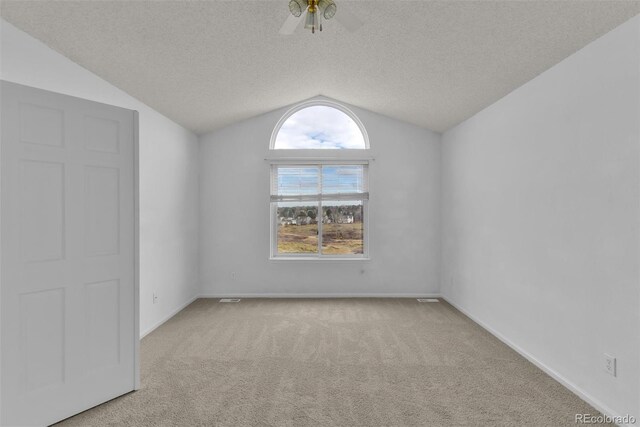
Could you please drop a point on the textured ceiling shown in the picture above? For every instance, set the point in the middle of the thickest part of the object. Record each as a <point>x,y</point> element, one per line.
<point>206,64</point>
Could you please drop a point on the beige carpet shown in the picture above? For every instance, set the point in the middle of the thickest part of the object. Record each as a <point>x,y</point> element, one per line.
<point>333,362</point>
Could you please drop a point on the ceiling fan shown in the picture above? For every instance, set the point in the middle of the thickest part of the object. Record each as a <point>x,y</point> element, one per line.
<point>316,11</point>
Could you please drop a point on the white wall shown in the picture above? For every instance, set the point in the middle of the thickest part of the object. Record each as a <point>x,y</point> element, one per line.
<point>168,172</point>
<point>541,218</point>
<point>404,216</point>
<point>540,210</point>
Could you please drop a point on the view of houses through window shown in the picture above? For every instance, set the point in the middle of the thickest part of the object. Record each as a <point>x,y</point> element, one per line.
<point>342,228</point>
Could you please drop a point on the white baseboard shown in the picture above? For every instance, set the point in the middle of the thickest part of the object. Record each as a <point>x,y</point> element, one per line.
<point>279,295</point>
<point>168,316</point>
<point>549,371</point>
<point>317,295</point>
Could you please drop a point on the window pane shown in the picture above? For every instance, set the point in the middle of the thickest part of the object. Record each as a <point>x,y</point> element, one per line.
<point>297,180</point>
<point>342,227</point>
<point>319,127</point>
<point>343,179</point>
<point>297,228</point>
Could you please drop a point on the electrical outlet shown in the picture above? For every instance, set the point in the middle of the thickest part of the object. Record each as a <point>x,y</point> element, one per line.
<point>155,297</point>
<point>233,275</point>
<point>610,364</point>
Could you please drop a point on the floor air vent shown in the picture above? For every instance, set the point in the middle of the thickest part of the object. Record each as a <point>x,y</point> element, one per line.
<point>230,300</point>
<point>428,300</point>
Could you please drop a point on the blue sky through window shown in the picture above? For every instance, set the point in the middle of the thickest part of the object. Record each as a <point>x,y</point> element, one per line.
<point>342,179</point>
<point>319,127</point>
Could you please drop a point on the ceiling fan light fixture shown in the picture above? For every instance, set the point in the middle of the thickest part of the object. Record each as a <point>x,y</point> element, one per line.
<point>296,7</point>
<point>314,12</point>
<point>328,8</point>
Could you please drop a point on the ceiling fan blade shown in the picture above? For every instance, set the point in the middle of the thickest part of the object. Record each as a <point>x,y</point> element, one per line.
<point>347,19</point>
<point>291,24</point>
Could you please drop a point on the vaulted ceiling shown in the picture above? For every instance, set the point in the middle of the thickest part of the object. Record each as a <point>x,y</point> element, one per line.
<point>207,64</point>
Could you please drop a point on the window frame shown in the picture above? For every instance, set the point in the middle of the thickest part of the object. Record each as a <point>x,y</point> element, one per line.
<point>319,256</point>
<point>316,103</point>
<point>321,157</point>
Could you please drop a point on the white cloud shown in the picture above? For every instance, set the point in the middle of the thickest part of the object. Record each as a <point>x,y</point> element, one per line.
<point>319,127</point>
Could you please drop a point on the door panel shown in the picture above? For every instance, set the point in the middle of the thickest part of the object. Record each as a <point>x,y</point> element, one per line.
<point>42,331</point>
<point>102,203</point>
<point>103,324</point>
<point>41,125</point>
<point>42,213</point>
<point>68,295</point>
<point>102,134</point>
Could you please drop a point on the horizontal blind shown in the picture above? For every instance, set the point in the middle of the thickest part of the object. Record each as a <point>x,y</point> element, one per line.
<point>291,183</point>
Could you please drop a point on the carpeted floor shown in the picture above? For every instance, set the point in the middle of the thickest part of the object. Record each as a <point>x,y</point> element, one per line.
<point>333,362</point>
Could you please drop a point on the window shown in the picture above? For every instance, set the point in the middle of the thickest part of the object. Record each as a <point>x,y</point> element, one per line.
<point>319,210</point>
<point>320,127</point>
<point>319,184</point>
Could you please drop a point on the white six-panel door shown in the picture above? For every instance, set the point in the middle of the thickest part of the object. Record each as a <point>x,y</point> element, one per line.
<point>68,294</point>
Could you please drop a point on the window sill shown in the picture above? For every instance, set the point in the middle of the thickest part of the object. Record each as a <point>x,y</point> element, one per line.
<point>318,259</point>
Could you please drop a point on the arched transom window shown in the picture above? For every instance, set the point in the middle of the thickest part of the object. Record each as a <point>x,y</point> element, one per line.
<point>320,127</point>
